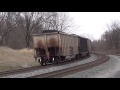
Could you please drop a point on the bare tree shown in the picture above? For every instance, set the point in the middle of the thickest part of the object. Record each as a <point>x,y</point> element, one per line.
<point>110,39</point>
<point>112,35</point>
<point>31,21</point>
<point>7,23</point>
<point>57,21</point>
<point>16,28</point>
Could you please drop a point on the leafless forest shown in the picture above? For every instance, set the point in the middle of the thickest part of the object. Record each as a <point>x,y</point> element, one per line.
<point>17,28</point>
<point>110,40</point>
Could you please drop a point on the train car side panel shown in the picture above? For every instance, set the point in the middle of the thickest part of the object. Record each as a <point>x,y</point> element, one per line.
<point>89,45</point>
<point>46,44</point>
<point>39,43</point>
<point>83,47</point>
<point>69,46</point>
<point>83,44</point>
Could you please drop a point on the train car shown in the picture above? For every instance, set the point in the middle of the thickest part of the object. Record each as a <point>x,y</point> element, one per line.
<point>84,46</point>
<point>52,47</point>
<point>89,46</point>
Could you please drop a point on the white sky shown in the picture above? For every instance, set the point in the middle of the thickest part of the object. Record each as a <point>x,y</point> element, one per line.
<point>93,23</point>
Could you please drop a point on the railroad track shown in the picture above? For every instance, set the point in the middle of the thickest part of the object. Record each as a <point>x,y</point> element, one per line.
<point>63,72</point>
<point>24,70</point>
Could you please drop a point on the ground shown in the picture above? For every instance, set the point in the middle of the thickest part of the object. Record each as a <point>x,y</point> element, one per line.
<point>15,59</point>
<point>109,69</point>
<point>110,52</point>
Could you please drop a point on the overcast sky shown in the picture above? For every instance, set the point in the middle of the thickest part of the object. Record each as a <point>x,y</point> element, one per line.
<point>93,23</point>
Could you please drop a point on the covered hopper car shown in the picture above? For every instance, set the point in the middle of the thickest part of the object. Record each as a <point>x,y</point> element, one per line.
<point>53,47</point>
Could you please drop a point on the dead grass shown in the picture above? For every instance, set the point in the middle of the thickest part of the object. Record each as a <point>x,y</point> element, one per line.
<point>15,59</point>
<point>26,50</point>
<point>111,52</point>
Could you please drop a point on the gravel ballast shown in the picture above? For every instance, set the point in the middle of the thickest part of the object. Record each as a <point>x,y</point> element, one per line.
<point>109,69</point>
<point>42,71</point>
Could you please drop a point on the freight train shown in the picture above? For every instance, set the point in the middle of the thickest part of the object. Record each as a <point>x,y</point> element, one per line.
<point>52,46</point>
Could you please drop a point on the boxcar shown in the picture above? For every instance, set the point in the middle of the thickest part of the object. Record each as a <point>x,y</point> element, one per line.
<point>55,47</point>
<point>84,46</point>
<point>89,46</point>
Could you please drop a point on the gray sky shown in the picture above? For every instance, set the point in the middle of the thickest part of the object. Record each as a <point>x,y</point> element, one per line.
<point>93,23</point>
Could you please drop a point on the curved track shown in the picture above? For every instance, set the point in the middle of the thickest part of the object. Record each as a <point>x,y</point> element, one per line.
<point>24,70</point>
<point>58,73</point>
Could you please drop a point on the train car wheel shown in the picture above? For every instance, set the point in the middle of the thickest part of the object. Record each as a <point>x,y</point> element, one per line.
<point>56,60</point>
<point>45,63</point>
<point>41,61</point>
<point>53,60</point>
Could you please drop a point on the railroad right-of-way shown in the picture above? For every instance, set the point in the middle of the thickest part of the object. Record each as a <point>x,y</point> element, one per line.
<point>67,71</point>
<point>50,69</point>
<point>109,69</point>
